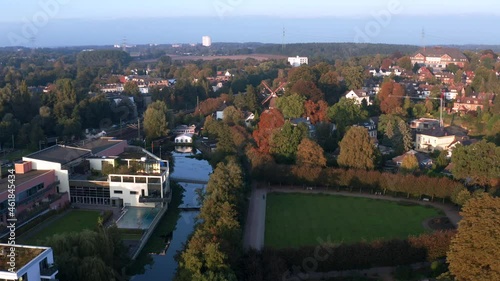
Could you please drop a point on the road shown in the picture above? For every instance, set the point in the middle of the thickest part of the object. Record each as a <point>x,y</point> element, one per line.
<point>256,217</point>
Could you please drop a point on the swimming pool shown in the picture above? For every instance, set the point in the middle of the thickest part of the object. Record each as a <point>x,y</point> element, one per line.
<point>137,217</point>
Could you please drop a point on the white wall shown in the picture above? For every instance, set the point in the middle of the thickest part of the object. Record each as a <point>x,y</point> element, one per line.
<point>62,175</point>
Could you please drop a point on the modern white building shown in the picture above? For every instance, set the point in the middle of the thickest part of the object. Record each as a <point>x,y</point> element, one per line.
<point>206,41</point>
<point>106,172</point>
<point>31,263</point>
<point>298,61</point>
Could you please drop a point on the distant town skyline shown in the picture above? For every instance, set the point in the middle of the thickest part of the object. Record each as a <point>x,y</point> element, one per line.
<point>51,23</point>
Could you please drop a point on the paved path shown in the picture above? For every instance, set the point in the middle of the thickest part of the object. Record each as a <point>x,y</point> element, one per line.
<point>256,219</point>
<point>255,224</point>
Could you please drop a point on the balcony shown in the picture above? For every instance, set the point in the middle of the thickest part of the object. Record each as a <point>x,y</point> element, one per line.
<point>49,272</point>
<point>156,198</point>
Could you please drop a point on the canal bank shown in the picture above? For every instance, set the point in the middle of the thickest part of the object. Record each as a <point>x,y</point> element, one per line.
<point>157,260</point>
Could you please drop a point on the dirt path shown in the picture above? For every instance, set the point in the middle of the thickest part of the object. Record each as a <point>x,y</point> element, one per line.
<point>255,224</point>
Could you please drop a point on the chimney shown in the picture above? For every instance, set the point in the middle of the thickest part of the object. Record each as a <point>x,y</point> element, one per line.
<point>23,167</point>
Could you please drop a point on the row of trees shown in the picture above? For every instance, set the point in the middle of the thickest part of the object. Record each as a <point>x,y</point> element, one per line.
<point>276,264</point>
<point>214,249</point>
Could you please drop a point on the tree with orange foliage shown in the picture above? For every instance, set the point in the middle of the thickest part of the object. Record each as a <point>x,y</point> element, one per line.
<point>270,120</point>
<point>391,98</point>
<point>317,112</point>
<point>307,89</point>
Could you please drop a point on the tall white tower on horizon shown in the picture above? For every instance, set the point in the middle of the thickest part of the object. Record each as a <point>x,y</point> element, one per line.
<point>206,41</point>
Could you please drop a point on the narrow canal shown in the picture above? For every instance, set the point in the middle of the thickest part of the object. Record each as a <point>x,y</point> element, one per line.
<point>157,261</point>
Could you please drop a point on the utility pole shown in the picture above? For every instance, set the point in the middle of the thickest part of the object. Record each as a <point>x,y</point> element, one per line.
<point>138,128</point>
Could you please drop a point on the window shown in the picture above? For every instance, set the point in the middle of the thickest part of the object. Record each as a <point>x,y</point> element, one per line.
<point>118,192</point>
<point>133,193</point>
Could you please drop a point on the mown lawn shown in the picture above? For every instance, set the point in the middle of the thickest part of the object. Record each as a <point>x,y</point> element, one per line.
<point>294,220</point>
<point>73,221</point>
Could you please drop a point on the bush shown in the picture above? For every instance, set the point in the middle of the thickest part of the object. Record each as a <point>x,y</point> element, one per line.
<point>106,216</point>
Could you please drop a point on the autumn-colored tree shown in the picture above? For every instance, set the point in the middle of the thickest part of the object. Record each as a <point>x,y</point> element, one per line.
<point>474,250</point>
<point>307,89</point>
<point>410,163</point>
<point>270,120</point>
<point>209,106</point>
<point>310,153</point>
<point>405,63</point>
<point>386,63</point>
<point>317,112</point>
<point>357,150</point>
<point>291,106</point>
<point>391,97</point>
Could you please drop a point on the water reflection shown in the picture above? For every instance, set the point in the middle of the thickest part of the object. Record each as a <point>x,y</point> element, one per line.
<point>162,263</point>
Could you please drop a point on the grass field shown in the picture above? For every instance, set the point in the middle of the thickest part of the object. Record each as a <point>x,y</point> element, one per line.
<point>74,221</point>
<point>294,220</point>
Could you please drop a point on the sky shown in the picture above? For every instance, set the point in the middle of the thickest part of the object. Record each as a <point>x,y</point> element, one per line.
<point>74,22</point>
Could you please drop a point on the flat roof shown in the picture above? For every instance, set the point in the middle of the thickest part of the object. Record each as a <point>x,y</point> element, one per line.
<point>100,144</point>
<point>60,154</point>
<point>24,255</point>
<point>21,178</point>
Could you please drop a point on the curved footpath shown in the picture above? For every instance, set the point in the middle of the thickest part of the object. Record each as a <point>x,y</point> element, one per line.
<point>256,217</point>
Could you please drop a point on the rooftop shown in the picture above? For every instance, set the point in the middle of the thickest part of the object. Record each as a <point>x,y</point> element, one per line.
<point>440,51</point>
<point>60,154</point>
<point>24,255</point>
<point>21,178</point>
<point>100,144</point>
<point>443,132</point>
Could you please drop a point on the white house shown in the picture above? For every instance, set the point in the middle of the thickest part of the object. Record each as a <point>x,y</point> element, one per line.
<point>30,263</point>
<point>358,96</point>
<point>437,138</point>
<point>298,61</point>
<point>184,139</point>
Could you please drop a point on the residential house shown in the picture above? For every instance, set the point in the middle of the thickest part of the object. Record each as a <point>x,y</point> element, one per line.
<point>446,78</point>
<point>311,128</point>
<point>464,141</point>
<point>184,129</point>
<point>219,114</point>
<point>439,57</point>
<point>358,96</point>
<point>424,160</point>
<point>30,263</point>
<point>438,138</point>
<point>473,103</point>
<point>425,74</point>
<point>424,124</point>
<point>249,118</point>
<point>184,139</point>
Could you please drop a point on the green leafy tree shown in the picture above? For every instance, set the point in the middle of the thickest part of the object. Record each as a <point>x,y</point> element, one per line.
<point>357,150</point>
<point>477,163</point>
<point>346,113</point>
<point>473,253</point>
<point>155,120</point>
<point>291,106</point>
<point>353,76</point>
<point>284,142</point>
